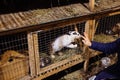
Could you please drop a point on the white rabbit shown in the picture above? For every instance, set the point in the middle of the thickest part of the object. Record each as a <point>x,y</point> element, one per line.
<point>65,40</point>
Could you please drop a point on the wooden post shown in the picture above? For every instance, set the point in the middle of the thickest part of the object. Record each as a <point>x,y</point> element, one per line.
<point>31,54</point>
<point>114,13</point>
<point>85,49</point>
<point>90,30</point>
<point>37,56</point>
<point>91,5</point>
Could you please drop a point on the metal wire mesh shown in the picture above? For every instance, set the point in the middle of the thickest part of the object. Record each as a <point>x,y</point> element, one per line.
<point>45,39</point>
<point>107,23</point>
<point>13,68</point>
<point>17,42</point>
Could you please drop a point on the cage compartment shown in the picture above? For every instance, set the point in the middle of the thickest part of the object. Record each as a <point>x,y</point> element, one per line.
<point>43,40</point>
<point>12,65</point>
<point>106,25</point>
<point>46,38</point>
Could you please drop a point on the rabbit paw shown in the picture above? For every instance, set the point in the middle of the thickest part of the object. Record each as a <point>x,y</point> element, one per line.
<point>72,46</point>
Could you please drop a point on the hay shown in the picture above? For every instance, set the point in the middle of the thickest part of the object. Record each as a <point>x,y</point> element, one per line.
<point>104,38</point>
<point>106,4</point>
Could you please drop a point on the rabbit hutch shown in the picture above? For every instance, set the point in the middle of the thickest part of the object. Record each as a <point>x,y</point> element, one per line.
<point>46,44</point>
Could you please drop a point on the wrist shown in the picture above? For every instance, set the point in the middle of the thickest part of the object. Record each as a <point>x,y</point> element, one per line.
<point>89,44</point>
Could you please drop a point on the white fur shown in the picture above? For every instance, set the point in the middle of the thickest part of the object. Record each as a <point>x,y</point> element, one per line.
<point>64,41</point>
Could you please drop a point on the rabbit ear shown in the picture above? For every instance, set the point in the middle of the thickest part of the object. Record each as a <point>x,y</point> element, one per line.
<point>71,32</point>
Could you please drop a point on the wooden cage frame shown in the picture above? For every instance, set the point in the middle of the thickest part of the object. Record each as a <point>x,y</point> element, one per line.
<point>38,74</point>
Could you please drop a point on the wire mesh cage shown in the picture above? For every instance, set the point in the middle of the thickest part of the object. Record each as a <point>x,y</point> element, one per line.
<point>13,56</point>
<point>64,56</point>
<point>107,31</point>
<point>107,27</point>
<point>47,38</point>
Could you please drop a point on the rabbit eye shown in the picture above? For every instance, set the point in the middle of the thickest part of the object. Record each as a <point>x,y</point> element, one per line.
<point>75,33</point>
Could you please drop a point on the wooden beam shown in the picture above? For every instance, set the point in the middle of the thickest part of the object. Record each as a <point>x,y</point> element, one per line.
<point>91,5</point>
<point>47,26</point>
<point>31,54</point>
<point>107,13</point>
<point>90,30</point>
<point>115,13</point>
<point>37,56</point>
<point>92,15</point>
<point>86,49</point>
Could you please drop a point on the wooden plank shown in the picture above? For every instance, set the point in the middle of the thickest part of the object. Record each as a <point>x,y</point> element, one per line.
<point>2,25</point>
<point>26,78</point>
<point>23,17</point>
<point>16,15</point>
<point>60,22</point>
<point>86,49</point>
<point>31,54</point>
<point>91,4</point>
<point>4,21</point>
<point>37,56</point>
<point>47,26</point>
<point>28,19</point>
<point>89,29</point>
<point>115,13</point>
<point>11,22</point>
<point>14,19</point>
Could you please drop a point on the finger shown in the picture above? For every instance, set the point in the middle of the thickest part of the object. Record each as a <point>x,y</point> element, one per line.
<point>85,34</point>
<point>83,37</point>
<point>83,41</point>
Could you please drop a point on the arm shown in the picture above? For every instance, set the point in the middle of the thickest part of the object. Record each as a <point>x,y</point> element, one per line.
<point>111,47</point>
<point>108,48</point>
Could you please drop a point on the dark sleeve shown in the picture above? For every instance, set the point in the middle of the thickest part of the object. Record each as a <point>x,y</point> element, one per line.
<point>108,48</point>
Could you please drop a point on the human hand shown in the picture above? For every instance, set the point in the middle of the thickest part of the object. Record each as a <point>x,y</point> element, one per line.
<point>86,40</point>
